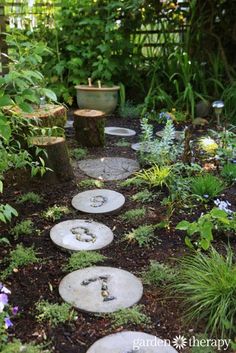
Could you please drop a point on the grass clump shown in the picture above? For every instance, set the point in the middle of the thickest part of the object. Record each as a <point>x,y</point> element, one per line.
<point>129,110</point>
<point>207,186</point>
<point>122,143</point>
<point>83,259</point>
<point>229,172</point>
<point>157,273</point>
<point>30,197</point>
<point>155,176</point>
<point>79,153</point>
<point>20,257</point>
<point>143,196</point>
<point>143,235</point>
<point>91,183</point>
<point>23,228</point>
<point>132,182</point>
<point>55,212</point>
<point>133,316</point>
<point>133,215</point>
<point>207,286</point>
<point>18,347</point>
<point>54,314</point>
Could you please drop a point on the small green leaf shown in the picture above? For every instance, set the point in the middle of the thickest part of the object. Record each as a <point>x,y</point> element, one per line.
<point>49,94</point>
<point>188,243</point>
<point>183,225</point>
<point>205,243</point>
<point>6,100</point>
<point>27,108</point>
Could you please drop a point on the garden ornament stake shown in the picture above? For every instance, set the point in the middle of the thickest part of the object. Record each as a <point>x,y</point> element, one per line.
<point>90,82</point>
<point>218,106</point>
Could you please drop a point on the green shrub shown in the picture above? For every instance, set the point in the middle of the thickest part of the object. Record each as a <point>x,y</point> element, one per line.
<point>30,197</point>
<point>20,257</point>
<point>55,314</point>
<point>143,196</point>
<point>18,347</point>
<point>207,285</point>
<point>55,212</point>
<point>122,143</point>
<point>143,235</point>
<point>127,316</point>
<point>157,273</point>
<point>133,215</point>
<point>129,110</point>
<point>83,259</point>
<point>155,176</point>
<point>23,228</point>
<point>207,186</point>
<point>79,153</point>
<point>229,172</point>
<point>91,183</point>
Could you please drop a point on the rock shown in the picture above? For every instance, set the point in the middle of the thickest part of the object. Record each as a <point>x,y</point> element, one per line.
<point>203,109</point>
<point>199,122</point>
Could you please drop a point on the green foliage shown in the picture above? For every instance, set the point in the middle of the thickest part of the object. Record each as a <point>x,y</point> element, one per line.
<point>29,197</point>
<point>132,182</point>
<point>207,186</point>
<point>83,259</point>
<point>19,257</point>
<point>54,314</point>
<point>201,349</point>
<point>79,153</point>
<point>134,215</point>
<point>91,183</point>
<point>143,235</point>
<point>56,212</point>
<point>157,274</point>
<point>23,228</point>
<point>122,143</point>
<point>130,316</point>
<point>229,96</point>
<point>155,176</point>
<point>228,172</point>
<point>144,196</point>
<point>129,110</point>
<point>216,219</point>
<point>18,347</point>
<point>207,284</point>
<point>7,212</point>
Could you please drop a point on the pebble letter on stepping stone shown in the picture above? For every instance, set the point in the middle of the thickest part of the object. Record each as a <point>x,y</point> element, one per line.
<point>119,131</point>
<point>131,342</point>
<point>109,168</point>
<point>80,234</point>
<point>101,289</point>
<point>98,201</point>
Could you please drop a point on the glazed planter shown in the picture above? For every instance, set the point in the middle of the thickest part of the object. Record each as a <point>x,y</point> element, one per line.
<point>103,98</point>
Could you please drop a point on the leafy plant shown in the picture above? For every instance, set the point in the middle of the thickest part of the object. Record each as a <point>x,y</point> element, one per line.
<point>133,316</point>
<point>20,257</point>
<point>207,186</point>
<point>199,348</point>
<point>228,172</point>
<point>134,215</point>
<point>144,196</point>
<point>18,347</point>
<point>122,143</point>
<point>79,153</point>
<point>216,219</point>
<point>157,273</point>
<point>155,176</point>
<point>55,212</point>
<point>55,314</point>
<point>132,182</point>
<point>91,183</point>
<point>143,235</point>
<point>208,145</point>
<point>23,228</point>
<point>83,259</point>
<point>207,285</point>
<point>30,197</point>
<point>129,110</point>
<point>7,212</point>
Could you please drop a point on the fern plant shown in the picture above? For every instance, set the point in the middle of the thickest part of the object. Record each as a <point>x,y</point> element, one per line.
<point>155,176</point>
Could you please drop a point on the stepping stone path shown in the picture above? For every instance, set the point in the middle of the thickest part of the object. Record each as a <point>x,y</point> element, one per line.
<point>137,146</point>
<point>98,201</point>
<point>101,289</point>
<point>119,131</point>
<point>108,168</point>
<point>131,342</point>
<point>80,234</point>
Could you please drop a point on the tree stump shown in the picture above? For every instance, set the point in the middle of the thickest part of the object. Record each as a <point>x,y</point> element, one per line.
<point>89,127</point>
<point>57,157</point>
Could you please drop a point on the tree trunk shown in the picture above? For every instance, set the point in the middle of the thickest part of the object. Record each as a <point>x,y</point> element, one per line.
<point>57,157</point>
<point>89,127</point>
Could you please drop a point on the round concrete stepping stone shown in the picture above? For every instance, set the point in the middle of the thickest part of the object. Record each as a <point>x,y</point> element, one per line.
<point>178,134</point>
<point>137,146</point>
<point>81,234</point>
<point>109,168</point>
<point>119,131</point>
<point>98,201</point>
<point>101,289</point>
<point>131,342</point>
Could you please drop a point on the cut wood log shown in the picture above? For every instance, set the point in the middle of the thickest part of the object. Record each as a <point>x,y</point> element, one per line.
<point>89,127</point>
<point>57,157</point>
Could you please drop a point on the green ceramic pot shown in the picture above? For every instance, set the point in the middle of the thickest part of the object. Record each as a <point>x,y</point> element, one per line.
<point>104,99</point>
